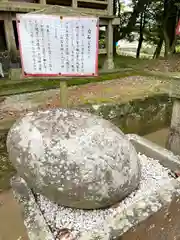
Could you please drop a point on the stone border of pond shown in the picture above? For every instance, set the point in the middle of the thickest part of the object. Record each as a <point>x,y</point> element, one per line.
<point>151,111</point>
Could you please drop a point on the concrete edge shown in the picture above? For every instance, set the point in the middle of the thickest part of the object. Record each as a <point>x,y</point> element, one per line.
<point>150,149</point>
<point>121,222</point>
<point>34,221</point>
<point>145,207</point>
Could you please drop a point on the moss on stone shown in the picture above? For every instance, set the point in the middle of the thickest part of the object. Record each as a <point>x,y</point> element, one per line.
<point>6,168</point>
<point>140,116</point>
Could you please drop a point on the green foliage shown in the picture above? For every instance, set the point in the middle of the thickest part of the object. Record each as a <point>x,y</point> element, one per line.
<point>159,23</point>
<point>102,43</point>
<point>178,48</point>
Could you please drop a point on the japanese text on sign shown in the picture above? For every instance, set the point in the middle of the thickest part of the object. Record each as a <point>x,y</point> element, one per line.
<point>51,45</point>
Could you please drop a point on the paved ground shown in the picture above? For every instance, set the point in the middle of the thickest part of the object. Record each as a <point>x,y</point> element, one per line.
<point>11,223</point>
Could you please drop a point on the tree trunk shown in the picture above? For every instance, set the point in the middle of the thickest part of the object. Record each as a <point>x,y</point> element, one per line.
<point>167,44</point>
<point>141,36</point>
<point>164,26</point>
<point>139,45</point>
<point>158,48</point>
<point>139,8</point>
<point>174,37</point>
<point>173,46</point>
<point>170,19</point>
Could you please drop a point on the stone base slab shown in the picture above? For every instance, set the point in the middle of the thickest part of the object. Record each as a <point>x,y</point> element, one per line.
<point>155,217</point>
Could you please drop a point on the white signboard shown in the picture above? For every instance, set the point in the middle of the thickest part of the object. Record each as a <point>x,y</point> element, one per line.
<point>58,46</point>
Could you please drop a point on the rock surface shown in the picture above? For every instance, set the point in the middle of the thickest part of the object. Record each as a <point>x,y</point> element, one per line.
<point>74,158</point>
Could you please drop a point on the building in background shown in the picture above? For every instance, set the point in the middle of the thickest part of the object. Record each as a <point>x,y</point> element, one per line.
<point>9,47</point>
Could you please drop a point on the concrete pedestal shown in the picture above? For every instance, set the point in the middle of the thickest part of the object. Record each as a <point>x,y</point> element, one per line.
<point>109,62</point>
<point>173,141</point>
<point>10,37</point>
<point>151,217</point>
<point>15,73</point>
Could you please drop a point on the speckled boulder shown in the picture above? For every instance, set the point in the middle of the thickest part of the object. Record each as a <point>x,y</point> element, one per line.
<point>74,158</point>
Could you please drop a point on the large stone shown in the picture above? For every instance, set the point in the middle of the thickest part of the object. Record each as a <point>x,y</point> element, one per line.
<point>75,159</point>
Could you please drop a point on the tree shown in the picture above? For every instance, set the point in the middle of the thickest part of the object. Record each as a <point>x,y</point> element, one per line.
<point>169,23</point>
<point>154,20</point>
<point>154,31</point>
<point>138,8</point>
<point>165,14</point>
<point>141,33</point>
<point>118,6</point>
<point>162,21</point>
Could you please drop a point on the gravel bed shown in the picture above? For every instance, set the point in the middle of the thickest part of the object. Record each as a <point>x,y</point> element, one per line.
<point>62,219</point>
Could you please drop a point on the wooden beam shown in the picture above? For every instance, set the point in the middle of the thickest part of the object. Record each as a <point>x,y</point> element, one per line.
<point>104,22</point>
<point>110,7</point>
<point>3,16</point>
<point>9,35</point>
<point>63,94</point>
<point>43,2</point>
<point>94,1</point>
<point>116,21</point>
<point>109,38</point>
<point>109,62</point>
<point>27,7</point>
<point>74,4</point>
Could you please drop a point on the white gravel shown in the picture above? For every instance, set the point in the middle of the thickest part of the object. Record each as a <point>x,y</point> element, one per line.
<point>153,175</point>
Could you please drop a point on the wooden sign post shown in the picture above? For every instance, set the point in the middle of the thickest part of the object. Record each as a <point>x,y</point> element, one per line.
<point>53,46</point>
<point>64,94</point>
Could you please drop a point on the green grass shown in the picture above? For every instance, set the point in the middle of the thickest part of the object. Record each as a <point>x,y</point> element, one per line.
<point>10,87</point>
<point>125,66</point>
<point>129,62</point>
